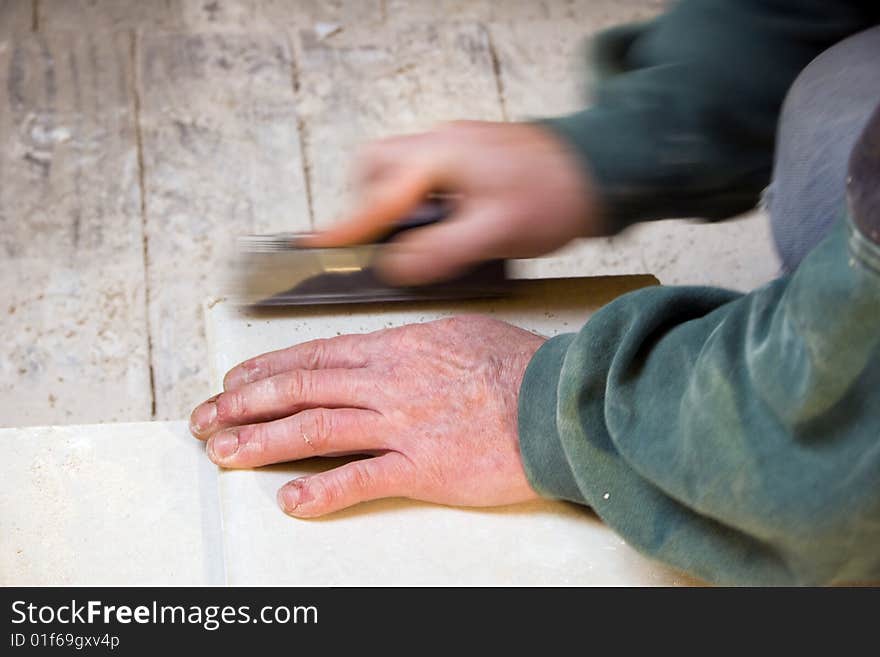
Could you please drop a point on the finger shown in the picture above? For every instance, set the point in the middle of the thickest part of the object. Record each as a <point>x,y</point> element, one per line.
<point>199,415</point>
<point>391,201</point>
<point>344,351</point>
<point>314,432</point>
<point>380,159</point>
<point>443,250</point>
<point>387,475</point>
<point>282,395</point>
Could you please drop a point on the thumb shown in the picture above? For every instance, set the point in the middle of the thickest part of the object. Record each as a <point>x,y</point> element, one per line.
<point>345,486</point>
<point>441,251</point>
<point>389,200</point>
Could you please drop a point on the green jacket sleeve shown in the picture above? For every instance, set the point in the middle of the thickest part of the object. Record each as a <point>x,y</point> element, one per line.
<point>736,437</point>
<point>686,106</point>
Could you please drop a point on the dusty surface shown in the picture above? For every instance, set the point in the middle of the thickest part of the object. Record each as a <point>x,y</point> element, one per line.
<point>72,308</point>
<point>15,17</point>
<point>155,492</point>
<point>362,84</point>
<point>220,158</point>
<point>137,138</point>
<point>161,522</point>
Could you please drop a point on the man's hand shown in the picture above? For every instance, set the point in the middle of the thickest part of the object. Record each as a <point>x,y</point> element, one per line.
<point>435,405</point>
<point>519,193</point>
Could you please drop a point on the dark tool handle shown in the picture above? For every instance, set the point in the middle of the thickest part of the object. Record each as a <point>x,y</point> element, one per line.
<point>429,212</point>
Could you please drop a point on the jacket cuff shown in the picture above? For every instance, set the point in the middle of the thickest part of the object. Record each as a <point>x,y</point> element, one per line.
<point>604,162</point>
<point>628,163</point>
<point>546,465</point>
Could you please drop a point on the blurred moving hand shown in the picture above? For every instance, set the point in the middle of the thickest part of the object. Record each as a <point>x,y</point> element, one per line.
<point>519,193</point>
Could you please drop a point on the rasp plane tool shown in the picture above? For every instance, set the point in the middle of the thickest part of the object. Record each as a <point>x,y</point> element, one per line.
<point>272,270</point>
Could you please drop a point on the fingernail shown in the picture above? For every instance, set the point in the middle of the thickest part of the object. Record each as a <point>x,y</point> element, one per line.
<point>294,495</point>
<point>203,417</point>
<point>223,445</point>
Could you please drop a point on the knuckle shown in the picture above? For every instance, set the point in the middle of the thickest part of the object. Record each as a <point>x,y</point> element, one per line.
<point>403,338</point>
<point>453,322</point>
<point>231,376</point>
<point>464,325</point>
<point>293,385</point>
<point>352,483</point>
<point>317,354</point>
<point>436,477</point>
<point>243,373</point>
<point>359,478</point>
<point>254,368</point>
<point>317,428</point>
<point>254,438</point>
<point>230,406</point>
<point>325,493</point>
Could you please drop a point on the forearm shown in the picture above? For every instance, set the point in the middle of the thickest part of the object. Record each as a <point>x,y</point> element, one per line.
<point>733,436</point>
<point>686,107</point>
